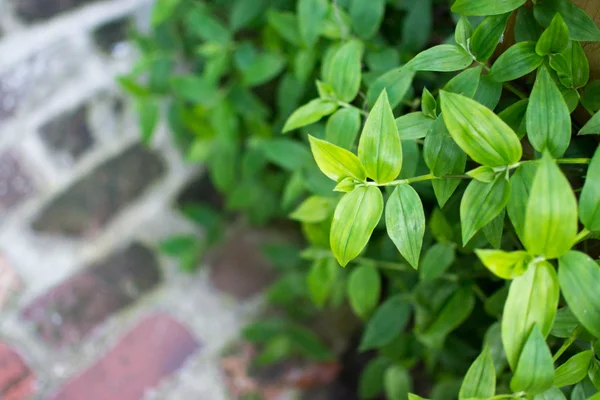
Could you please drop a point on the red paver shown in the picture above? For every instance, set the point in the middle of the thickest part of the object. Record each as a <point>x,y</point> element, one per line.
<point>16,379</point>
<point>154,349</point>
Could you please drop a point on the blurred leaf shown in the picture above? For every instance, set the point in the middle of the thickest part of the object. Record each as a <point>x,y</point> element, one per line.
<point>396,82</point>
<point>388,321</point>
<point>320,279</point>
<point>364,289</point>
<point>342,127</point>
<point>311,17</point>
<point>437,260</point>
<point>476,7</point>
<point>366,16</point>
<point>397,383</point>
<point>309,113</point>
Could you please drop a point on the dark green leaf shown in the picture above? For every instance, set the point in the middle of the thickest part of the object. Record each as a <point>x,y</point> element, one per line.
<point>417,24</point>
<point>520,184</point>
<point>439,149</point>
<point>589,200</point>
<point>488,92</point>
<point>555,38</point>
<point>444,188</point>
<point>477,7</point>
<point>415,125</point>
<point>487,35</point>
<point>581,26</point>
<point>243,12</point>
<point>311,17</point>
<point>364,289</point>
<point>286,153</point>
<point>591,127</point>
<point>437,260</point>
<point>465,83</point>
<point>526,27</point>
<point>519,60</point>
<point>285,24</point>
<point>366,16</point>
<point>397,83</point>
<point>264,68</point>
<point>514,115</point>
<point>493,230</point>
<point>388,321</point>
<point>429,104</point>
<point>370,383</point>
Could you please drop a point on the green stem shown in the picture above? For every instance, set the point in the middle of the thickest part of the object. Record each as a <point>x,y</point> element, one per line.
<point>348,105</point>
<point>508,396</point>
<point>508,86</point>
<point>573,161</point>
<point>564,347</point>
<point>581,236</point>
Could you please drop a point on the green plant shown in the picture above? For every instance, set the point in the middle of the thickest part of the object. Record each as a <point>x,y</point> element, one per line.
<point>481,181</point>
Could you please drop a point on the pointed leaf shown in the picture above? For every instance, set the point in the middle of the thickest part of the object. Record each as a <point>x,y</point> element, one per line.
<point>335,162</point>
<point>366,16</point>
<point>405,222</point>
<point>519,60</point>
<point>364,288</point>
<point>444,188</point>
<point>311,17</point>
<point>342,127</point>
<point>494,229</point>
<point>488,92</point>
<point>526,27</point>
<point>344,72</point>
<point>441,58</point>
<point>437,260</point>
<point>479,132</point>
<point>354,220</point>
<point>574,370</point>
<point>520,186</point>
<point>415,125</point>
<point>321,280</point>
<point>581,26</point>
<point>504,264</point>
<point>463,31</point>
<point>480,380</point>
<point>555,38</point>
<point>465,83</point>
<point>481,8</point>
<point>309,113</point>
<point>396,82</point>
<point>487,35</point>
<point>589,200</point>
<point>535,370</point>
<point>429,104</point>
<point>379,148</point>
<point>386,324</point>
<point>440,151</point>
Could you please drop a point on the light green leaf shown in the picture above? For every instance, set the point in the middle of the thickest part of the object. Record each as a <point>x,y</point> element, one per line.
<point>555,38</point>
<point>386,324</point>
<point>483,174</point>
<point>487,35</point>
<point>488,92</point>
<point>479,132</point>
<point>532,299</point>
<point>415,397</point>
<point>481,203</point>
<point>379,148</point>
<point>396,82</point>
<point>429,104</point>
<point>573,370</point>
<point>314,209</point>
<point>480,380</point>
<point>592,126</point>
<point>244,12</point>
<point>519,60</point>
<point>535,369</point>
<point>346,185</point>
<point>441,58</point>
<point>163,10</point>
<point>551,217</point>
<point>364,289</point>
<point>344,73</point>
<point>482,8</point>
<point>321,279</point>
<point>520,184</point>
<point>309,113</point>
<point>397,383</point>
<point>581,26</point>
<point>415,125</point>
<point>342,127</point>
<point>437,260</point>
<point>548,117</point>
<point>526,27</point>
<point>463,32</point>
<point>264,68</point>
<point>286,153</point>
<point>311,17</point>
<point>405,222</point>
<point>465,83</point>
<point>411,157</point>
<point>579,277</point>
<point>506,265</point>
<point>285,24</point>
<point>354,220</point>
<point>589,200</point>
<point>439,149</point>
<point>550,394</point>
<point>335,162</point>
<point>366,16</point>
<point>148,110</point>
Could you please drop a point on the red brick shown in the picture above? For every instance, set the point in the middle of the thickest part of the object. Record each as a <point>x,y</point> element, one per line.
<point>154,349</point>
<point>70,310</point>
<point>16,379</point>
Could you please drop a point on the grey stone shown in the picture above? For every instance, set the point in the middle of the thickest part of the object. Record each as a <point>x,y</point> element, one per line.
<point>112,34</point>
<point>68,135</point>
<point>16,185</point>
<point>38,10</point>
<point>90,203</point>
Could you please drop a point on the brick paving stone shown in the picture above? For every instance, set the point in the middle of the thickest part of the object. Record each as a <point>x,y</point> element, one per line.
<point>39,10</point>
<point>16,184</point>
<point>17,381</point>
<point>153,350</point>
<point>65,314</point>
<point>68,135</point>
<point>9,281</point>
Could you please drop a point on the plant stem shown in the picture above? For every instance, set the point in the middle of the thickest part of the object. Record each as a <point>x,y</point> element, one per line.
<point>348,105</point>
<point>508,86</point>
<point>572,160</point>
<point>509,396</point>
<point>581,236</point>
<point>564,347</point>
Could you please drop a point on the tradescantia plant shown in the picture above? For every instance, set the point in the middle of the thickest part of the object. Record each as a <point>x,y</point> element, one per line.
<point>460,225</point>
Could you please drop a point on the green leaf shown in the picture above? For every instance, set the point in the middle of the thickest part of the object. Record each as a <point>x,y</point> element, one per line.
<point>439,149</point>
<point>397,383</point>
<point>594,373</point>
<point>532,299</point>
<point>465,83</point>
<point>519,60</point>
<point>354,220</point>
<point>480,380</point>
<point>364,289</point>
<point>535,369</point>
<point>163,10</point>
<point>180,245</point>
<point>415,125</point>
<point>285,24</point>
<point>463,32</point>
<point>415,397</point>
<point>148,110</point>
<point>548,117</point>
<point>321,279</point>
<point>506,265</point>
<point>555,38</point>
<point>286,153</point>
<point>429,104</point>
<point>441,58</point>
<point>335,162</point>
<point>494,229</point>
<point>444,188</point>
<point>481,203</point>
<point>551,217</point>
<point>479,132</point>
<point>579,65</point>
<point>417,25</point>
<point>493,341</point>
<point>520,184</point>
<point>243,12</point>
<point>483,8</point>
<point>483,174</point>
<point>386,324</point>
<point>589,200</point>
<point>366,16</point>
<point>573,370</point>
<point>550,394</point>
<point>344,74</point>
<point>405,222</point>
<point>396,82</point>
<point>526,27</point>
<point>590,128</point>
<point>304,64</point>
<point>265,67</point>
<point>370,383</point>
<point>565,323</point>
<point>514,115</point>
<point>581,26</point>
<point>314,209</point>
<point>437,260</point>
<point>309,113</point>
<point>201,22</point>
<point>379,148</point>
<point>311,17</point>
<point>488,92</point>
<point>487,35</point>
<point>579,277</point>
<point>583,390</point>
<point>194,89</point>
<point>342,127</point>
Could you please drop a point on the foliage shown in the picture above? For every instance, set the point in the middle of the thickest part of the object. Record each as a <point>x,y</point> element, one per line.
<point>483,272</point>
